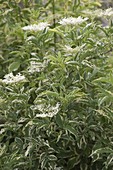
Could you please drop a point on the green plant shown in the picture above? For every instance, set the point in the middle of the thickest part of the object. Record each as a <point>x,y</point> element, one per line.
<point>56,86</point>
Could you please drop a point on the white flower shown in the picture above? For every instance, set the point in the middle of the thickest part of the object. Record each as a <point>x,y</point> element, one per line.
<point>72,21</point>
<point>46,111</point>
<point>36,66</point>
<point>100,13</point>
<point>108,12</point>
<point>10,78</point>
<point>40,27</point>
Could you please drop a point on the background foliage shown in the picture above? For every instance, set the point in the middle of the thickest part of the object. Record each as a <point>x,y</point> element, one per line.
<point>79,80</point>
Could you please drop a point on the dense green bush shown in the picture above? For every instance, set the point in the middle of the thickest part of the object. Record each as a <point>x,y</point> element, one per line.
<point>56,85</point>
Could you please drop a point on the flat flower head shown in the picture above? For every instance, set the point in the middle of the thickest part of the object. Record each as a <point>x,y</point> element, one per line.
<point>100,13</point>
<point>36,27</point>
<point>72,21</point>
<point>46,111</point>
<point>10,78</point>
<point>108,12</point>
<point>36,66</point>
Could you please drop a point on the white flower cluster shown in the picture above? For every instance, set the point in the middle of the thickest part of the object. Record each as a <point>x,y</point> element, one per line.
<point>46,111</point>
<point>10,78</point>
<point>108,12</point>
<point>65,21</point>
<point>36,27</point>
<point>72,21</point>
<point>36,66</point>
<point>100,13</point>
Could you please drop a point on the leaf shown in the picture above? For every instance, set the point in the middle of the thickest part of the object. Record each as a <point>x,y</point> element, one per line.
<point>14,66</point>
<point>97,4</point>
<point>102,150</point>
<point>59,120</point>
<point>65,154</point>
<point>49,93</point>
<point>19,141</point>
<point>29,149</point>
<point>52,58</point>
<point>101,112</point>
<point>71,130</point>
<point>3,150</point>
<point>52,157</point>
<point>72,162</point>
<point>109,160</point>
<point>54,30</point>
<point>43,163</point>
<point>43,159</point>
<point>83,166</point>
<point>102,100</point>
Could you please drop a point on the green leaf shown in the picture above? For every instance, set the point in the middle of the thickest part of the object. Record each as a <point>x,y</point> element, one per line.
<point>65,154</point>
<point>71,130</point>
<point>14,66</point>
<point>72,162</point>
<point>52,157</point>
<point>50,93</point>
<point>54,30</point>
<point>83,166</point>
<point>29,149</point>
<point>102,150</point>
<point>3,149</point>
<point>19,141</point>
<point>59,120</point>
<point>109,160</point>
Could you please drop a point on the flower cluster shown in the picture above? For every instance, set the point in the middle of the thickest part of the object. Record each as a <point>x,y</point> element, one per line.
<point>46,111</point>
<point>10,78</point>
<point>40,27</point>
<point>65,21</point>
<point>100,13</point>
<point>36,66</point>
<point>72,21</point>
<point>108,12</point>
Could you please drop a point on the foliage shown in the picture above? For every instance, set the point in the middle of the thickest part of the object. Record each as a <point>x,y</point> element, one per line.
<point>59,116</point>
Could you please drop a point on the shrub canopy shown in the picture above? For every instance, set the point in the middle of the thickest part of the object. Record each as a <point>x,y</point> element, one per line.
<point>56,85</point>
